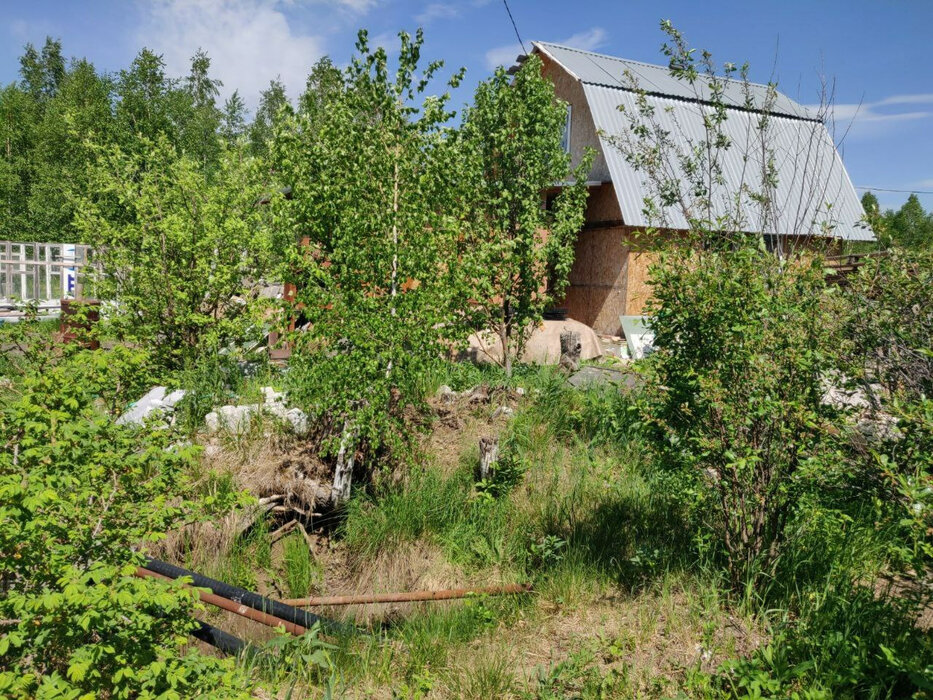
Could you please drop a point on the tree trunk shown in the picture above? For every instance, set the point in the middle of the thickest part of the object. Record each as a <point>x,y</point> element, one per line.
<point>506,355</point>
<point>488,456</point>
<point>570,349</point>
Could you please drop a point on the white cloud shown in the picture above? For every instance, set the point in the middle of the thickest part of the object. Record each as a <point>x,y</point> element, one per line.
<point>249,42</point>
<point>585,41</point>
<point>502,55</point>
<point>924,184</point>
<point>437,10</point>
<point>874,117</point>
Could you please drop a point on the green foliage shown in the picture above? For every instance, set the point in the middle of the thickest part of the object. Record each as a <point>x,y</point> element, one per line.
<point>182,251</point>
<point>515,256</point>
<point>300,569</point>
<point>734,392</point>
<point>889,324</point>
<point>910,226</point>
<point>371,280</point>
<point>79,498</point>
<point>268,117</point>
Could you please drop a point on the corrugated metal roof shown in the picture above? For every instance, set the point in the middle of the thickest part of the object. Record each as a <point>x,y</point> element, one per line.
<point>813,193</point>
<point>599,69</point>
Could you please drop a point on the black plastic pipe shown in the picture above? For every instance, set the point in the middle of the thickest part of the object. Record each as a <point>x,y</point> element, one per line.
<point>247,598</point>
<point>224,641</point>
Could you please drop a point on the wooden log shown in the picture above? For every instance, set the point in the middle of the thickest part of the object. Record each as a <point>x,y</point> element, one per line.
<point>411,597</point>
<point>570,350</point>
<point>488,456</point>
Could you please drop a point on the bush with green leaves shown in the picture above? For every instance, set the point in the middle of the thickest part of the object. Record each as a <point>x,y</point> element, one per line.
<point>182,249</point>
<point>80,498</point>
<point>889,356</point>
<point>734,392</point>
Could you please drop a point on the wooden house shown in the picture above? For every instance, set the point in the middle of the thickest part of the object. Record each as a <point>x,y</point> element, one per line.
<point>813,196</point>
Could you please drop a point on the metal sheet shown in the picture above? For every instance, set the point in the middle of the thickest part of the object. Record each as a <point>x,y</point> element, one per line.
<point>812,196</point>
<point>609,71</point>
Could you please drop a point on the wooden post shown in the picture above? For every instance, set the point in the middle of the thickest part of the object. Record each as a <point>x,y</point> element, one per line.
<point>488,456</point>
<point>570,349</point>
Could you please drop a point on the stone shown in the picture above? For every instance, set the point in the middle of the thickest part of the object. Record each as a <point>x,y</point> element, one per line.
<point>271,396</point>
<point>298,419</point>
<point>236,419</point>
<point>505,411</point>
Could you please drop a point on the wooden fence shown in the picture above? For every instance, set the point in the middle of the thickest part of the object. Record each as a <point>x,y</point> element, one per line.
<point>44,273</point>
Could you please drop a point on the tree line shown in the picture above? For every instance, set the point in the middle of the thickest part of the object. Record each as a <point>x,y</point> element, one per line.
<point>910,226</point>
<point>52,118</point>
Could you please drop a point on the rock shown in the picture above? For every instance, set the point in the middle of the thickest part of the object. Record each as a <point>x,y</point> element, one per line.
<point>211,450</point>
<point>298,420</point>
<point>446,394</point>
<point>236,419</point>
<point>212,422</point>
<point>478,394</point>
<point>155,400</point>
<point>174,398</point>
<point>519,391</point>
<point>591,375</point>
<point>272,396</point>
<point>505,411</point>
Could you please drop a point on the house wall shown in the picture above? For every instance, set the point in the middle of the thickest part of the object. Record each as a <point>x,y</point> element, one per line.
<point>582,129</point>
<point>597,293</point>
<point>610,277</point>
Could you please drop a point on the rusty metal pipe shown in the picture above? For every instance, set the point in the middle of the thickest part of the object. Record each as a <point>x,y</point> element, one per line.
<point>231,606</point>
<point>255,601</point>
<point>410,597</point>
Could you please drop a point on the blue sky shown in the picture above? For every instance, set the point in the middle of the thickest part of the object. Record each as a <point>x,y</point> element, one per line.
<point>873,52</point>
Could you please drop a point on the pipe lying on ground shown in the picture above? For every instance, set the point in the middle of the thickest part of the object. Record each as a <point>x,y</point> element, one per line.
<point>224,641</point>
<point>234,607</point>
<point>411,597</point>
<point>252,600</point>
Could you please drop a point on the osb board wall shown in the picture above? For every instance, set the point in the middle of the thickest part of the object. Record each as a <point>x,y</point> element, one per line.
<point>582,130</point>
<point>597,292</point>
<point>637,286</point>
<point>602,204</point>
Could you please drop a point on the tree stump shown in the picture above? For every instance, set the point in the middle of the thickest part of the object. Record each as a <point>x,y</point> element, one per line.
<point>570,350</point>
<point>343,473</point>
<point>488,456</point>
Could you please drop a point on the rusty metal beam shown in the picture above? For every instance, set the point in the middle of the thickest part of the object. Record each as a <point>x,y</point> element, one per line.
<point>410,597</point>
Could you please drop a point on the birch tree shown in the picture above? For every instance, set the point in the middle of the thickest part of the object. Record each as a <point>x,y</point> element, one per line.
<point>368,202</point>
<point>516,253</point>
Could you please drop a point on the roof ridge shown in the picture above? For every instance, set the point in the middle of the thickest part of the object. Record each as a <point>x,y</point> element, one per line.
<point>650,65</point>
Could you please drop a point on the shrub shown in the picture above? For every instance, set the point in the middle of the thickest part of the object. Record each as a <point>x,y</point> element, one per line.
<point>733,399</point>
<point>368,198</point>
<point>79,498</point>
<point>182,250</point>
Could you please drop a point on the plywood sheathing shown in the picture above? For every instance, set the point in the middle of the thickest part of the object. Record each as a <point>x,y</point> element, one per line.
<point>582,127</point>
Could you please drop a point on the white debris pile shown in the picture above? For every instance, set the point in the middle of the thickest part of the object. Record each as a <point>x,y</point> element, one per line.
<point>864,412</point>
<point>236,419</point>
<point>158,402</point>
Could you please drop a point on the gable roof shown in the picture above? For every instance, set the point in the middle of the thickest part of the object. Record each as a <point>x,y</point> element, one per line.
<point>813,194</point>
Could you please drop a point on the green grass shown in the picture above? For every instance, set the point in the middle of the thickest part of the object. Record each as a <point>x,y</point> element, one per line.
<point>584,512</point>
<point>301,572</point>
